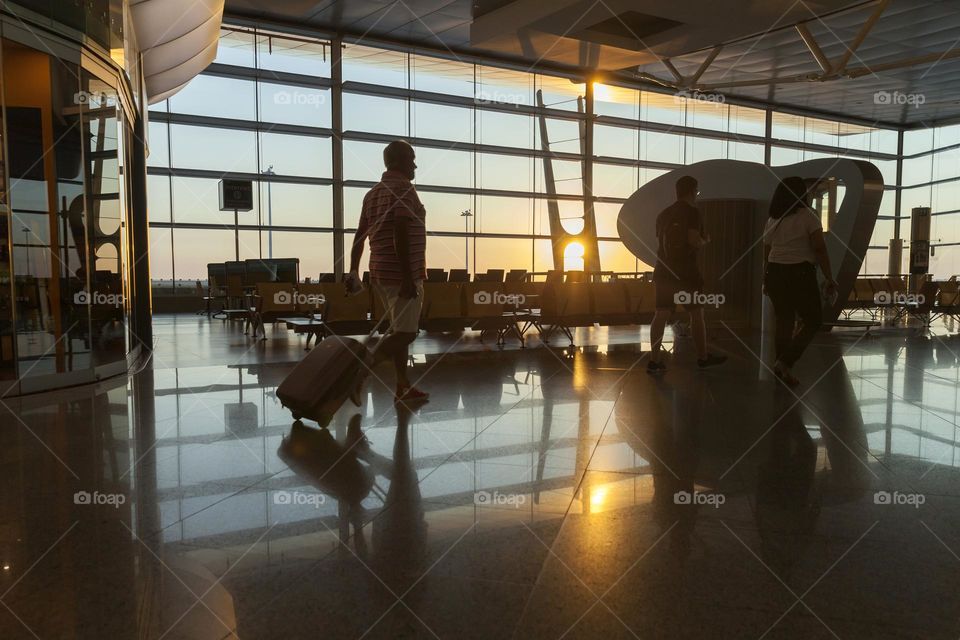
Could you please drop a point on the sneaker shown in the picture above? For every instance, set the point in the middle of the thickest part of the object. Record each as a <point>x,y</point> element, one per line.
<point>654,367</point>
<point>412,394</point>
<point>712,360</point>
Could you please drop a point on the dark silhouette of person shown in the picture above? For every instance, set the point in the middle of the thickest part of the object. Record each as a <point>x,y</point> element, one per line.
<point>677,278</point>
<point>394,220</point>
<point>400,529</point>
<point>793,246</point>
<point>663,421</point>
<point>335,468</point>
<point>787,505</point>
<point>399,534</point>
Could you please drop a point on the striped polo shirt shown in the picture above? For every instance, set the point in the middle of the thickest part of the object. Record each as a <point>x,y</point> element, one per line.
<point>394,196</point>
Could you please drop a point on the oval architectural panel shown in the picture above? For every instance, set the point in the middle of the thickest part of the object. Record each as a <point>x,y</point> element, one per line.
<point>847,238</point>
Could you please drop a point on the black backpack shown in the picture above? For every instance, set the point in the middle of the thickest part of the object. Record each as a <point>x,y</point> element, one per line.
<point>673,238</point>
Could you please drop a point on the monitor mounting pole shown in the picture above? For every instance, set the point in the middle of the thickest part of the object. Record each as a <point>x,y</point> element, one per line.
<point>236,234</point>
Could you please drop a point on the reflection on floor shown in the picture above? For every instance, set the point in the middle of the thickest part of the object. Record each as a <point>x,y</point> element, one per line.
<point>542,493</point>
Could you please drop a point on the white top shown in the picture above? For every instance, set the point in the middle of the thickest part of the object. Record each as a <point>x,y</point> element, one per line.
<point>789,237</point>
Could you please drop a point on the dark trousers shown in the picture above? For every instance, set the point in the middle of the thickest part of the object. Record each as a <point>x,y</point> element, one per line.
<point>795,293</point>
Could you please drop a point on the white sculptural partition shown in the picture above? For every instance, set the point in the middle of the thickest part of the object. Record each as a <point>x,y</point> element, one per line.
<point>848,235</point>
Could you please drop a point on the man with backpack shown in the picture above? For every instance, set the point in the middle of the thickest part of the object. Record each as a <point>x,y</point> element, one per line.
<point>677,276</point>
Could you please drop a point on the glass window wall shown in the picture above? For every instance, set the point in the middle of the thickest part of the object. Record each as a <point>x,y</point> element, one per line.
<point>479,148</point>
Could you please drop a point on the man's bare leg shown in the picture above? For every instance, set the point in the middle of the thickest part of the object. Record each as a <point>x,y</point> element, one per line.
<point>699,328</point>
<point>657,326</point>
<point>394,347</point>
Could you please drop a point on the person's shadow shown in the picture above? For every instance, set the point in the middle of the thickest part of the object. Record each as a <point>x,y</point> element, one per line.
<point>662,420</point>
<point>347,470</point>
<point>399,531</point>
<point>787,502</point>
<point>341,469</point>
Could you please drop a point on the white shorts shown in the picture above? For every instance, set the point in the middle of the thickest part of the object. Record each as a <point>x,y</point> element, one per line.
<point>404,313</point>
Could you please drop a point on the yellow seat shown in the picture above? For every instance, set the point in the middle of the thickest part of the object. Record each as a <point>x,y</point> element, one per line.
<point>610,303</point>
<point>488,307</point>
<point>949,294</point>
<point>881,291</point>
<point>442,307</point>
<point>526,293</point>
<point>641,298</point>
<point>276,298</point>
<point>311,298</point>
<point>483,299</point>
<point>343,314</point>
<point>577,304</point>
<point>863,292</point>
<point>442,301</point>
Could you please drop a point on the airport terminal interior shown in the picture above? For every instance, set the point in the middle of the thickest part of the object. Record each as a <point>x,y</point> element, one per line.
<point>196,443</point>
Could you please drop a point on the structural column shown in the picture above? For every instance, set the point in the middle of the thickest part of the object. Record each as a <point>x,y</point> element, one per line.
<point>591,257</point>
<point>767,317</point>
<point>767,135</point>
<point>336,122</point>
<point>897,202</point>
<point>141,321</point>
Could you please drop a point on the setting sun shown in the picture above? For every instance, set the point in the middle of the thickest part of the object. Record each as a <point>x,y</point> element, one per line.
<point>573,257</point>
<point>602,92</point>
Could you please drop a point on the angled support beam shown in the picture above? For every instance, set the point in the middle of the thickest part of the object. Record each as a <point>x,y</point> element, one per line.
<point>705,64</point>
<point>850,73</point>
<point>672,69</point>
<point>814,48</point>
<point>861,36</point>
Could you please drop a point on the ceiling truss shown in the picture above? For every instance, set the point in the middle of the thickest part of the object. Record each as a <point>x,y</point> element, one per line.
<point>829,70</point>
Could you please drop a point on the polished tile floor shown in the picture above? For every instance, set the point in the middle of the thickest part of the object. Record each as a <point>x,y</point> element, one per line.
<point>541,493</point>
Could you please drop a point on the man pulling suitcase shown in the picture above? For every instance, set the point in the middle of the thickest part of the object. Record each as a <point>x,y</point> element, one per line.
<point>394,220</point>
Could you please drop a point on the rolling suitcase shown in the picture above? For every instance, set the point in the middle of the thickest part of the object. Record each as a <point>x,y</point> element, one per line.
<point>322,381</point>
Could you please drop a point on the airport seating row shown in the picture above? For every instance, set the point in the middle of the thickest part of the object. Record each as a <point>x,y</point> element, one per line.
<point>229,282</point>
<point>890,296</point>
<point>502,308</point>
<point>454,275</point>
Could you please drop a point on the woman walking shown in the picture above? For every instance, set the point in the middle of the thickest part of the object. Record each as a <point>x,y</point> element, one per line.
<point>793,247</point>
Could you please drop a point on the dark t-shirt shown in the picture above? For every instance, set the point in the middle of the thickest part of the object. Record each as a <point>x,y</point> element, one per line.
<point>684,268</point>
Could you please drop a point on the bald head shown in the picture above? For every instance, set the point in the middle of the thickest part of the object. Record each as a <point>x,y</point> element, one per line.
<point>399,156</point>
